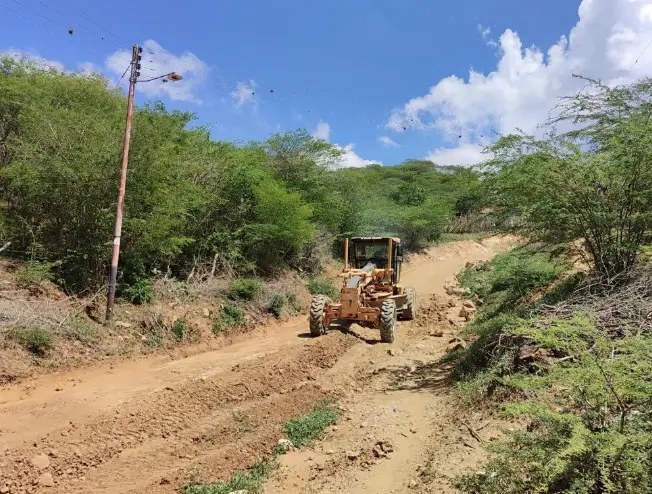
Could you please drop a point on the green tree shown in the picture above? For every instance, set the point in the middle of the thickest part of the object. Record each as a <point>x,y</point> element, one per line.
<point>593,183</point>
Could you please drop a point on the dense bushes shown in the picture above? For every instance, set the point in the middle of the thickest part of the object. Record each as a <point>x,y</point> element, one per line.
<point>576,368</point>
<point>193,206</point>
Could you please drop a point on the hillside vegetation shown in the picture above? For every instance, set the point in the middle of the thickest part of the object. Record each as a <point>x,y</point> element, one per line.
<point>193,205</point>
<point>562,340</point>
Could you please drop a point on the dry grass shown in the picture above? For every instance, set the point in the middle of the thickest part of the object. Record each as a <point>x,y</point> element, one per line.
<point>41,328</point>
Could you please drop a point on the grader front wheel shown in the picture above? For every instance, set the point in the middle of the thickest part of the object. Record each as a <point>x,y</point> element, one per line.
<point>316,317</point>
<point>388,321</point>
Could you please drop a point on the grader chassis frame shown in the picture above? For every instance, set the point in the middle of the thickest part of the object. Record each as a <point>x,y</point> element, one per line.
<point>371,294</point>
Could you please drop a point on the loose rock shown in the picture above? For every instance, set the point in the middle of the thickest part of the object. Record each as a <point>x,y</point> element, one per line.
<point>352,455</point>
<point>41,462</point>
<point>46,480</point>
<point>455,344</point>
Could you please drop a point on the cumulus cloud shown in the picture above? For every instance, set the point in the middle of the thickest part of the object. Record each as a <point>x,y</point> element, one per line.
<point>245,93</point>
<point>323,131</point>
<point>608,42</point>
<point>34,57</point>
<point>462,155</point>
<point>349,158</point>
<point>156,61</point>
<point>388,141</point>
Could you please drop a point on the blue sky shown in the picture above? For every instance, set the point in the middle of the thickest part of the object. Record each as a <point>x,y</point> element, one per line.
<point>390,80</point>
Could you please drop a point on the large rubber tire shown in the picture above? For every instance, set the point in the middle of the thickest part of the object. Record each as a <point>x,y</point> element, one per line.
<point>387,321</point>
<point>410,310</point>
<point>316,317</point>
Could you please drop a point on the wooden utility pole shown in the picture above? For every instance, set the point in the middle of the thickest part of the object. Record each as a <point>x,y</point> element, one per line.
<point>113,276</point>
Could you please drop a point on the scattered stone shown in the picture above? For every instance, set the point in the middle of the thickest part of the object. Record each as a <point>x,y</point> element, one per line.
<point>437,333</point>
<point>413,430</point>
<point>330,452</point>
<point>385,446</point>
<point>412,484</point>
<point>206,312</point>
<point>41,462</point>
<point>4,490</point>
<point>468,304</point>
<point>123,324</point>
<point>363,425</point>
<point>241,491</point>
<point>455,344</point>
<point>467,314</point>
<point>391,352</point>
<point>46,480</point>
<point>352,455</point>
<point>334,428</point>
<point>285,443</point>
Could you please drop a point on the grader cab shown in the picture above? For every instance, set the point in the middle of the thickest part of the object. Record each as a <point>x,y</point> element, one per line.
<point>371,294</point>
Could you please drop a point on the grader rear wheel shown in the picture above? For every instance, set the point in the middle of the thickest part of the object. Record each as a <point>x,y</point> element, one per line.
<point>316,317</point>
<point>388,321</point>
<point>409,313</point>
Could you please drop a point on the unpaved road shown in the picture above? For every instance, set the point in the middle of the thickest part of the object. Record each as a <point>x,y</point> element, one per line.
<point>152,425</point>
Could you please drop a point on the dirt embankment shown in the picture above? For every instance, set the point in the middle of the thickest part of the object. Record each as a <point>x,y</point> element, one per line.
<point>153,425</point>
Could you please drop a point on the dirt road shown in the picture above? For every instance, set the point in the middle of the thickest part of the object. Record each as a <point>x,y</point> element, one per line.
<point>154,424</point>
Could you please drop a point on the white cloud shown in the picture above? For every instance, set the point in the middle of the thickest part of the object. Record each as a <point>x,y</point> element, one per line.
<point>349,158</point>
<point>484,31</point>
<point>462,155</point>
<point>388,141</point>
<point>157,61</point>
<point>245,93</point>
<point>608,38</point>
<point>33,57</point>
<point>323,131</point>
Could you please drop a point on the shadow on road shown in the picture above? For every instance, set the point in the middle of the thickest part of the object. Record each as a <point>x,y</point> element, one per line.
<point>345,330</point>
<point>420,376</point>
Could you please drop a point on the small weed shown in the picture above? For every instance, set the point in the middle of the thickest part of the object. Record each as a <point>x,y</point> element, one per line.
<point>245,289</point>
<point>141,292</point>
<point>35,340</point>
<point>154,330</point>
<point>228,317</point>
<point>250,481</point>
<point>322,286</point>
<point>82,330</point>
<point>303,431</point>
<point>179,328</point>
<point>34,273</point>
<point>242,423</point>
<point>277,304</point>
<point>293,302</point>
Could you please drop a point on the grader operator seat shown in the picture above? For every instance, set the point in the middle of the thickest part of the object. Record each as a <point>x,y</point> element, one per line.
<point>363,251</point>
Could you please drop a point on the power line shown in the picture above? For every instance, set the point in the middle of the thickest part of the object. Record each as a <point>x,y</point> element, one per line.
<point>117,54</point>
<point>92,22</point>
<point>97,25</point>
<point>53,22</point>
<point>122,76</point>
<point>81,25</point>
<point>642,53</point>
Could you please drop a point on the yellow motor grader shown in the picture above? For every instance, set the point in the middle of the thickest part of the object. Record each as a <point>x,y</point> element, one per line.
<point>371,294</point>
